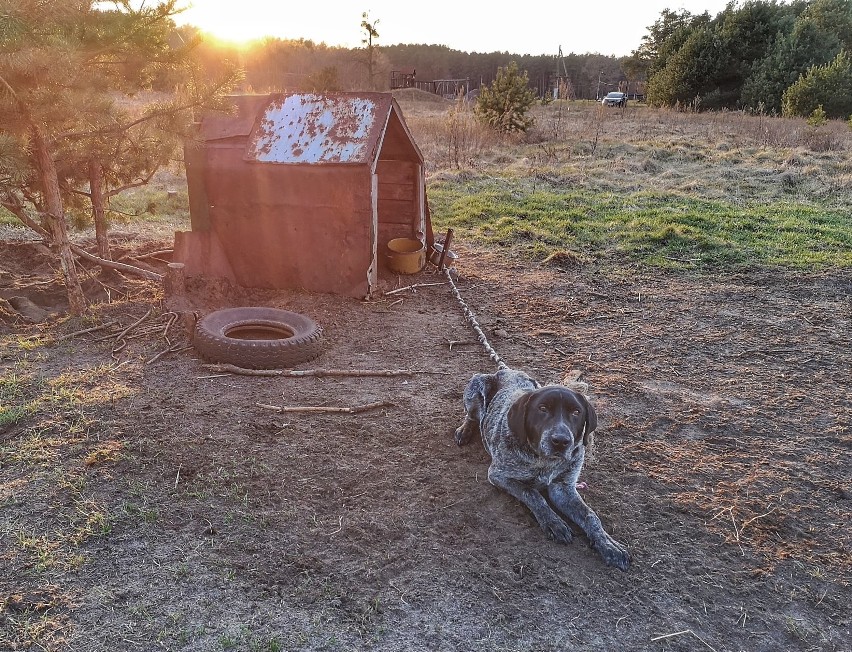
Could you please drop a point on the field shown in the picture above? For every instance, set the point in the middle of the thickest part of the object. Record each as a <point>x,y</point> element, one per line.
<point>695,271</point>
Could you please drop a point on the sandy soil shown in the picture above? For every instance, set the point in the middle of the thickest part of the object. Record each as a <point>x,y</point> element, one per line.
<point>165,510</point>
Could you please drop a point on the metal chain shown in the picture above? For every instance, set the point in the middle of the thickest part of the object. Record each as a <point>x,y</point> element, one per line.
<point>471,319</point>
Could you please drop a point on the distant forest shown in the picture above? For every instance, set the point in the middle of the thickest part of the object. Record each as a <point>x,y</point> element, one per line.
<point>762,55</point>
<point>770,57</point>
<point>275,64</point>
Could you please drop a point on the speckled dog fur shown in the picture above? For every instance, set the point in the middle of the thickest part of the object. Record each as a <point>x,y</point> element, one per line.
<point>537,438</point>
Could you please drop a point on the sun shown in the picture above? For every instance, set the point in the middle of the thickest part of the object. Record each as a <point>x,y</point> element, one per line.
<point>225,22</point>
<point>243,21</point>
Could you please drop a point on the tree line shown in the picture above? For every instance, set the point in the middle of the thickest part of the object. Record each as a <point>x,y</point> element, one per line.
<point>765,56</point>
<point>302,65</point>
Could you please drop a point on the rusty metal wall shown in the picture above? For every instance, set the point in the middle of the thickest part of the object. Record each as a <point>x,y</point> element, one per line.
<point>301,226</point>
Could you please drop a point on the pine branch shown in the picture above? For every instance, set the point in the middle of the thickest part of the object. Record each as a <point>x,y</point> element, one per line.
<point>128,186</point>
<point>169,110</point>
<point>14,206</point>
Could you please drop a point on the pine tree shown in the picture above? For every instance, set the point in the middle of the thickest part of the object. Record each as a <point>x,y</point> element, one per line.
<point>828,87</point>
<point>371,35</point>
<point>504,104</point>
<point>62,66</point>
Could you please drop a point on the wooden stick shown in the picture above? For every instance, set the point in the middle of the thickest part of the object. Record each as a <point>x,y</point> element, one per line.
<point>172,349</point>
<point>152,254</point>
<point>452,343</point>
<point>129,269</point>
<point>412,287</point>
<point>173,317</point>
<point>317,373</point>
<point>332,410</point>
<point>664,636</point>
<point>134,325</point>
<point>681,633</point>
<point>68,336</point>
<point>447,241</point>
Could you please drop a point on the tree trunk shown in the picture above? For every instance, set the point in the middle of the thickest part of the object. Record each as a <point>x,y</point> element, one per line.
<point>96,191</point>
<point>56,221</point>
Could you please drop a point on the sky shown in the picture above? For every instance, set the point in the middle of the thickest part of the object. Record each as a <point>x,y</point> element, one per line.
<point>612,27</point>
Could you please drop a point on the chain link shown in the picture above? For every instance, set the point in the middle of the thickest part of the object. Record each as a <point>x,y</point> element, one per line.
<point>471,319</point>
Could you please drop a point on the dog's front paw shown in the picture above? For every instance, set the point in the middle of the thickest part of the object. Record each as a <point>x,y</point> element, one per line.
<point>557,530</point>
<point>614,553</point>
<point>465,432</point>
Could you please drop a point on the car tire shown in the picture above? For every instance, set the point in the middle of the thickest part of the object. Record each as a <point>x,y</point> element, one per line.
<point>258,337</point>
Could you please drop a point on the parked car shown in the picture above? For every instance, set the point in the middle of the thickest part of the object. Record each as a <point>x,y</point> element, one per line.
<point>615,99</point>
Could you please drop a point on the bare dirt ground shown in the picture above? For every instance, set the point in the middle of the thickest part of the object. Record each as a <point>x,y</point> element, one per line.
<point>157,507</point>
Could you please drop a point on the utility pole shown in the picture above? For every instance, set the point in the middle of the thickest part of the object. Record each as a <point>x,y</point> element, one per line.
<point>598,96</point>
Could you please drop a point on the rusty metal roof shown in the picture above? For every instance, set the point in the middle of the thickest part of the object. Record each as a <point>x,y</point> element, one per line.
<point>218,126</point>
<point>313,128</point>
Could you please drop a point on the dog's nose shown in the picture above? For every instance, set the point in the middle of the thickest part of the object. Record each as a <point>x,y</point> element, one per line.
<point>560,441</point>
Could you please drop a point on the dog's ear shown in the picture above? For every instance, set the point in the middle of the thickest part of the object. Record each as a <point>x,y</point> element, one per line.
<point>591,420</point>
<point>517,419</point>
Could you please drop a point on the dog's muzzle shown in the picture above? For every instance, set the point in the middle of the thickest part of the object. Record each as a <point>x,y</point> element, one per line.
<point>558,441</point>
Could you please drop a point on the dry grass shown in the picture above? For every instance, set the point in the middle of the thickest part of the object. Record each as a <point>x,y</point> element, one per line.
<point>711,155</point>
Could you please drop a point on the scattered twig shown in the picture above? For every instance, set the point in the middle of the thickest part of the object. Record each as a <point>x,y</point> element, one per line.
<point>332,410</point>
<point>411,287</point>
<point>108,336</point>
<point>754,518</point>
<point>128,269</point>
<point>318,373</point>
<point>400,591</point>
<point>672,635</point>
<point>173,317</point>
<point>682,260</point>
<point>452,343</point>
<point>133,325</point>
<point>119,347</point>
<point>68,336</point>
<point>142,333</point>
<point>391,305</point>
<point>172,349</point>
<point>685,631</point>
<point>339,526</point>
<point>152,254</point>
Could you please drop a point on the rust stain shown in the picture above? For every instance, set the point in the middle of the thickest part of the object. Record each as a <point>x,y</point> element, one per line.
<point>312,128</point>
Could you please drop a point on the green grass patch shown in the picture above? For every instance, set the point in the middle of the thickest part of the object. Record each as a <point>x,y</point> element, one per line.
<point>658,229</point>
<point>6,218</point>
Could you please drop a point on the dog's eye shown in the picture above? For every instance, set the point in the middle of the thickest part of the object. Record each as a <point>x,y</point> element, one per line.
<point>576,412</point>
<point>542,408</point>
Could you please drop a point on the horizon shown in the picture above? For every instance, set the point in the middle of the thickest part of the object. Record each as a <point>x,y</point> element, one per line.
<point>572,29</point>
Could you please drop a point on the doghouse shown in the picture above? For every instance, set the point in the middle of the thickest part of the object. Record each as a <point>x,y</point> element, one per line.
<point>302,191</point>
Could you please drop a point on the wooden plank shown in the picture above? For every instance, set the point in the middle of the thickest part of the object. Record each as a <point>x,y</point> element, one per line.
<point>396,172</point>
<point>389,232</point>
<point>396,211</point>
<point>397,191</point>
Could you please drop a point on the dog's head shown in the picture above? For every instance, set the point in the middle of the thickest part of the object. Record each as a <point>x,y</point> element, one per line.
<point>553,420</point>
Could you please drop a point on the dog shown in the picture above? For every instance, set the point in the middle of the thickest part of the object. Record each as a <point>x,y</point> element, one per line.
<point>537,437</point>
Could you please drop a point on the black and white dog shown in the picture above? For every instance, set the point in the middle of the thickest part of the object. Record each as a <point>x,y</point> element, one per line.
<point>537,438</point>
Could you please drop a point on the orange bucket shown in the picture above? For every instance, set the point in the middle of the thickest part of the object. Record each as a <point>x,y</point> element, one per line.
<point>406,255</point>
